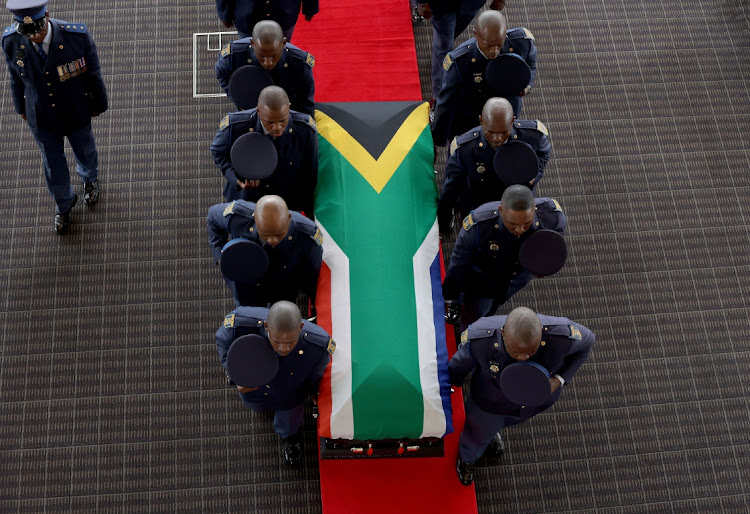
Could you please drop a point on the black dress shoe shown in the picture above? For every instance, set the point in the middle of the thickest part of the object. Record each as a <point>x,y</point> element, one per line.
<point>292,450</point>
<point>62,220</point>
<point>465,472</point>
<point>91,192</point>
<point>497,446</point>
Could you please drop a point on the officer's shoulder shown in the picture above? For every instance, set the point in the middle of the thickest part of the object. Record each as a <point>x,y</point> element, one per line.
<point>236,117</point>
<point>239,207</point>
<point>531,125</point>
<point>457,54</point>
<point>246,317</point>
<point>481,329</point>
<point>520,33</point>
<point>483,213</point>
<point>557,326</point>
<point>301,117</point>
<point>547,205</point>
<point>10,30</point>
<point>312,333</point>
<point>462,139</point>
<point>300,55</point>
<point>308,227</point>
<point>236,46</point>
<point>76,28</point>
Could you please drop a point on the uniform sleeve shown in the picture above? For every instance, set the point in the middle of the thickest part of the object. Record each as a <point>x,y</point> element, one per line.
<point>224,73</point>
<point>455,182</point>
<point>561,223</point>
<point>306,189</point>
<point>217,229</point>
<point>225,10</point>
<point>221,151</point>
<point>224,339</point>
<point>94,81</point>
<point>461,364</point>
<point>460,264</point>
<point>531,61</point>
<point>310,274</point>
<point>306,98</point>
<point>579,352</point>
<point>543,152</point>
<point>16,85</point>
<point>316,374</point>
<point>310,7</point>
<point>445,105</point>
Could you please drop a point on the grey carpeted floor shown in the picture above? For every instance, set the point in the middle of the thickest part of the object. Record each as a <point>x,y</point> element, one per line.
<point>111,396</point>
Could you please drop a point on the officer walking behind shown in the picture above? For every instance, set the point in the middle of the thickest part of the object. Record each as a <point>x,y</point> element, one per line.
<point>464,88</point>
<point>57,87</point>
<point>291,242</point>
<point>470,176</point>
<point>290,68</point>
<point>484,270</point>
<point>487,348</point>
<point>304,351</point>
<point>295,137</point>
<point>244,14</point>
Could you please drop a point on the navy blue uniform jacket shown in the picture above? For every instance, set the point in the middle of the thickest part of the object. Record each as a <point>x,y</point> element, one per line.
<point>293,73</point>
<point>485,257</point>
<point>460,102</point>
<point>470,178</point>
<point>299,372</point>
<point>293,265</point>
<point>246,13</point>
<point>61,94</point>
<point>296,173</point>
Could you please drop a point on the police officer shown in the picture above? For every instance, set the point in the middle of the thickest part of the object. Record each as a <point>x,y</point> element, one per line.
<point>484,270</point>
<point>290,68</point>
<point>304,351</point>
<point>244,14</point>
<point>487,347</point>
<point>291,242</point>
<point>464,89</point>
<point>57,87</point>
<point>470,177</point>
<point>295,137</point>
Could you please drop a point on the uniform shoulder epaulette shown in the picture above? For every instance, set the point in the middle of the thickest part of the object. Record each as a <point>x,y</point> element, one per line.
<point>482,213</point>
<point>306,226</point>
<point>462,139</point>
<point>229,320</point>
<point>300,54</point>
<point>306,119</point>
<point>226,50</point>
<point>531,124</point>
<point>569,330</point>
<point>249,316</point>
<point>229,209</point>
<point>224,123</point>
<point>519,33</point>
<point>451,57</point>
<point>74,27</point>
<point>478,330</point>
<point>547,204</point>
<point>312,333</point>
<point>10,30</point>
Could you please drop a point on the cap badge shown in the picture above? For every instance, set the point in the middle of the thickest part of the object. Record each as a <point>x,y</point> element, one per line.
<point>481,168</point>
<point>27,19</point>
<point>494,367</point>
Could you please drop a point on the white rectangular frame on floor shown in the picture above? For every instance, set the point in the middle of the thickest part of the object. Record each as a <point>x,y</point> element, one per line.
<point>208,35</point>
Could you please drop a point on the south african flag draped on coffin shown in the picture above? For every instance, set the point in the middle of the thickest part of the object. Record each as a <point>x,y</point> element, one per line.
<point>379,293</point>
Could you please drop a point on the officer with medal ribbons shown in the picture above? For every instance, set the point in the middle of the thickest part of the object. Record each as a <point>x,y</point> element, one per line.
<point>464,88</point>
<point>470,175</point>
<point>301,353</point>
<point>506,356</point>
<point>57,87</point>
<point>288,66</point>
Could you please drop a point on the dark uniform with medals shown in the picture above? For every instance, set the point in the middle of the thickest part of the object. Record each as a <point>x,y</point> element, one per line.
<point>244,14</point>
<point>565,346</point>
<point>57,90</point>
<point>465,89</point>
<point>484,270</point>
<point>296,173</point>
<point>293,72</point>
<point>299,372</point>
<point>293,265</point>
<point>470,178</point>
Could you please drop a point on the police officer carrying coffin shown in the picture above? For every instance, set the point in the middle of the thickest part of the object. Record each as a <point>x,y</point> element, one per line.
<point>295,137</point>
<point>485,270</point>
<point>244,14</point>
<point>303,351</point>
<point>470,176</point>
<point>464,89</point>
<point>57,87</point>
<point>493,349</point>
<point>289,67</point>
<point>292,244</point>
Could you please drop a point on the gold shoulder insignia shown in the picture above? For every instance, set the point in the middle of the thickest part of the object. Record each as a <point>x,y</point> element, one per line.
<point>541,128</point>
<point>528,34</point>
<point>331,346</point>
<point>557,205</point>
<point>468,222</point>
<point>454,145</point>
<point>465,336</point>
<point>311,122</point>
<point>229,321</point>
<point>447,62</point>
<point>229,209</point>
<point>575,333</point>
<point>318,237</point>
<point>224,123</point>
<point>226,50</point>
<point>310,60</point>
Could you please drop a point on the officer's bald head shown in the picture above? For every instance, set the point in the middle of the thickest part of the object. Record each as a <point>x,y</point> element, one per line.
<point>491,20</point>
<point>274,110</point>
<point>490,30</point>
<point>517,198</point>
<point>522,333</point>
<point>497,121</point>
<point>284,316</point>
<point>272,219</point>
<point>273,98</point>
<point>498,108</point>
<point>268,32</point>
